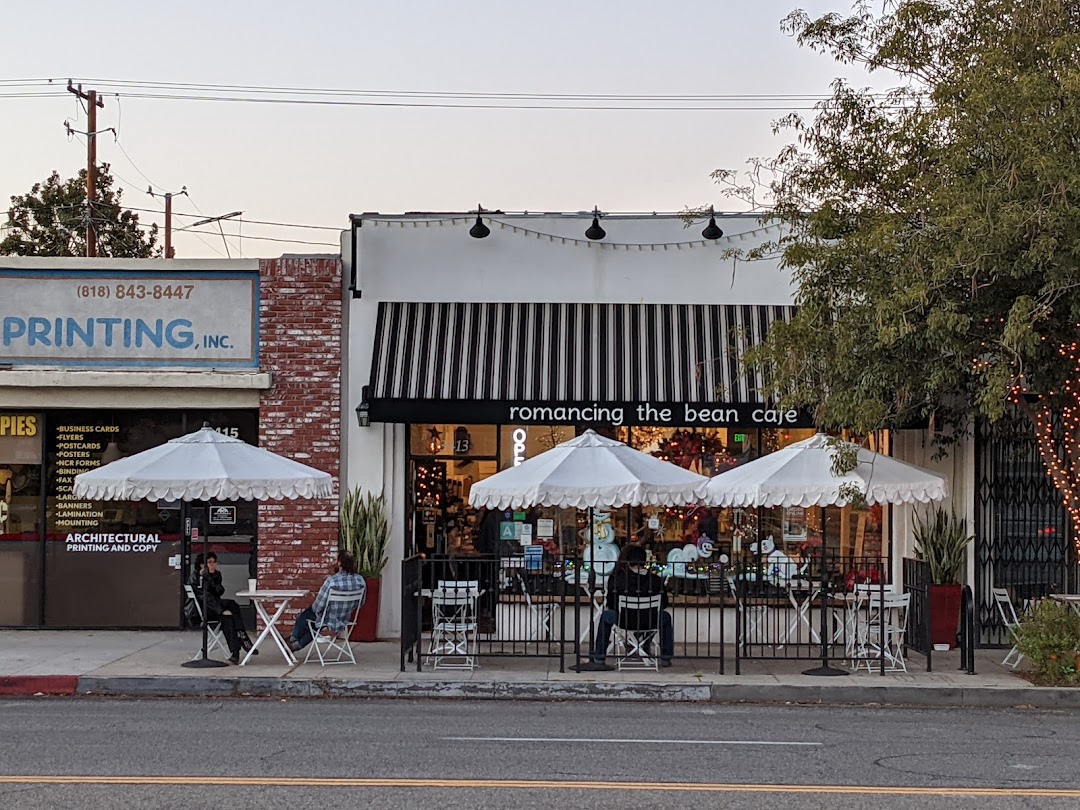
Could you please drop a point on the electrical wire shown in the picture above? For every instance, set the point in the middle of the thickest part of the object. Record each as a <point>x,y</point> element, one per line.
<point>440,99</point>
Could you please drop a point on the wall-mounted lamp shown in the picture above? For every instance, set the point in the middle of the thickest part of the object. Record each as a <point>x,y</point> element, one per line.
<point>712,230</point>
<point>595,232</point>
<point>479,230</point>
<point>363,410</point>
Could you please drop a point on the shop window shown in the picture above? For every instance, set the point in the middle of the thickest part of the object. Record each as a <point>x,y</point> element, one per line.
<point>520,442</point>
<point>20,518</point>
<point>119,563</point>
<point>453,440</point>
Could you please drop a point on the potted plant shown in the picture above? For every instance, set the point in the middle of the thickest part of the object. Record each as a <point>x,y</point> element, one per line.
<point>365,531</point>
<point>941,540</point>
<point>1049,637</point>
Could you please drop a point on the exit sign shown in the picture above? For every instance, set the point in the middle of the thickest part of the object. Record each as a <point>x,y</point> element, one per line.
<point>740,437</point>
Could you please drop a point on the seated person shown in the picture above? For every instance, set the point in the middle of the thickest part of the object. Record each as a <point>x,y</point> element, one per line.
<point>225,611</point>
<point>631,578</point>
<point>343,577</point>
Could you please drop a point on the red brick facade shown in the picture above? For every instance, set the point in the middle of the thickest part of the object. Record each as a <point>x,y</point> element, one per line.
<point>300,415</point>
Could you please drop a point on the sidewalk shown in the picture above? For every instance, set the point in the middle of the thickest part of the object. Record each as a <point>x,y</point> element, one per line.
<point>148,664</point>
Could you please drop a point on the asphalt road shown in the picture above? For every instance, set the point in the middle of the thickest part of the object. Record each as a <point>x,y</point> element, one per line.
<point>265,754</point>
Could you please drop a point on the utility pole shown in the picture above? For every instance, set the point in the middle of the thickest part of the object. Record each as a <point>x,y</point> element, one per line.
<point>218,220</point>
<point>170,253</point>
<point>92,104</point>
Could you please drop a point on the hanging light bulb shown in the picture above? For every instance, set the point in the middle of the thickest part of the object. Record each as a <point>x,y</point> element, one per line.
<point>712,231</point>
<point>112,453</point>
<point>479,230</point>
<point>595,232</point>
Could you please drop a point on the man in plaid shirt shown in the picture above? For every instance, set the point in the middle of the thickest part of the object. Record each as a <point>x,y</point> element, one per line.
<point>343,578</point>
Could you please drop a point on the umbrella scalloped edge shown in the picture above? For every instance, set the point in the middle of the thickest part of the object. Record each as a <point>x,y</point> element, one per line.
<point>212,490</point>
<point>607,497</point>
<point>828,496</point>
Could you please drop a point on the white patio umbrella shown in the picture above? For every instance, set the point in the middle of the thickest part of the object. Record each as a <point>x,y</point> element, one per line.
<point>801,475</point>
<point>202,466</point>
<point>586,472</point>
<point>589,472</point>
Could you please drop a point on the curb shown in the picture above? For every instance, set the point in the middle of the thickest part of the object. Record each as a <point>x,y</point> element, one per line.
<point>21,685</point>
<point>892,695</point>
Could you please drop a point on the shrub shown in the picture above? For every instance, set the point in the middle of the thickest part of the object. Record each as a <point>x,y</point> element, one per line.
<point>1050,637</point>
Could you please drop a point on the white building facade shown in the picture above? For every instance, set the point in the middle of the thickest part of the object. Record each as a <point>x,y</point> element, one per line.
<point>468,354</point>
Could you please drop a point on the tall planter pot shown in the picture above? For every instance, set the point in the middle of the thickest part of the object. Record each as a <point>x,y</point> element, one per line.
<point>367,624</point>
<point>944,613</point>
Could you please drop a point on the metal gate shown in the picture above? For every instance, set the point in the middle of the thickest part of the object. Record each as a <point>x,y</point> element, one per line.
<point>1022,539</point>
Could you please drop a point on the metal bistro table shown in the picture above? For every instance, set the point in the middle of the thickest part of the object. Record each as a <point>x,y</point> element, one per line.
<point>262,598</point>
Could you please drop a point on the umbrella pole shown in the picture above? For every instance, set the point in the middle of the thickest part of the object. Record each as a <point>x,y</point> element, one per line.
<point>205,661</point>
<point>826,637</point>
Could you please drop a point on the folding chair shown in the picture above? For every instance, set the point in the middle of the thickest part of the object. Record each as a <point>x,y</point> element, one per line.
<point>539,615</point>
<point>325,644</point>
<point>638,626</point>
<point>214,636</point>
<point>454,624</point>
<point>1012,624</point>
<point>889,644</point>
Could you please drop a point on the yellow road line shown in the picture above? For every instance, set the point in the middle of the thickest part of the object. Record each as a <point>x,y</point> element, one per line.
<point>529,784</point>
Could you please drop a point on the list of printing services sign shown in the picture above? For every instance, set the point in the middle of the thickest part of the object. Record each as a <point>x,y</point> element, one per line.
<point>134,318</point>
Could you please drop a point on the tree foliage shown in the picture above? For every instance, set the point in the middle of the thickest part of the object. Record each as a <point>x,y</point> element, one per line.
<point>934,229</point>
<point>50,220</point>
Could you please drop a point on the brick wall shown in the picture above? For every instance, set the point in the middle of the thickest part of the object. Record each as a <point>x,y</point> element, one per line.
<point>300,416</point>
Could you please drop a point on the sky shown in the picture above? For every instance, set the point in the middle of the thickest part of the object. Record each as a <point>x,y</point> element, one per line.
<point>315,165</point>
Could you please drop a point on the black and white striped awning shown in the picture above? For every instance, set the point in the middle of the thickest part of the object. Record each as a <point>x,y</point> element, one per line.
<point>474,352</point>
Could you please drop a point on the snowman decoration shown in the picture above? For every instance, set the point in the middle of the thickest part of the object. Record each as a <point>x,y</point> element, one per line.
<point>780,569</point>
<point>600,554</point>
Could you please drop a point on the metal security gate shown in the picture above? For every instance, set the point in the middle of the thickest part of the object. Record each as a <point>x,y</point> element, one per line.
<point>1022,538</point>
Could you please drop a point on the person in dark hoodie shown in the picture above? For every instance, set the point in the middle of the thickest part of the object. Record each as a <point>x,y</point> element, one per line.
<point>631,578</point>
<point>225,611</point>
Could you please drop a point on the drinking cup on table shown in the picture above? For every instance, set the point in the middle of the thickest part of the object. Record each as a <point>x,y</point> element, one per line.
<point>251,584</point>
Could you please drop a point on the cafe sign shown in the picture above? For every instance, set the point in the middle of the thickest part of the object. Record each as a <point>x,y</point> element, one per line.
<point>600,414</point>
<point>136,318</point>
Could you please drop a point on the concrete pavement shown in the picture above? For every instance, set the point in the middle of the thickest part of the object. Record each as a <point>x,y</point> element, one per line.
<point>148,663</point>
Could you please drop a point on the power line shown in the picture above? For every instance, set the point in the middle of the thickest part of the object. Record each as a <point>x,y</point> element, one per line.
<point>440,99</point>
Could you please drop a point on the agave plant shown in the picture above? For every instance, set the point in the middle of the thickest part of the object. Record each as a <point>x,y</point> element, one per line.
<point>364,530</point>
<point>941,539</point>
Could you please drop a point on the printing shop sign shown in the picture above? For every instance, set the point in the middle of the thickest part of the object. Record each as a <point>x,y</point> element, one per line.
<point>136,318</point>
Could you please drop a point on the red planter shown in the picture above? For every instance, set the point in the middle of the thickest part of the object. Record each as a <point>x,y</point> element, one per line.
<point>367,625</point>
<point>944,613</point>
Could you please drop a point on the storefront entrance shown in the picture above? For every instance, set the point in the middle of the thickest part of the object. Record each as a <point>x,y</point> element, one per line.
<point>68,562</point>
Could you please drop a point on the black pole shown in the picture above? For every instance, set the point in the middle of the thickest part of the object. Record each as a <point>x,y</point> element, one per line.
<point>825,638</point>
<point>204,662</point>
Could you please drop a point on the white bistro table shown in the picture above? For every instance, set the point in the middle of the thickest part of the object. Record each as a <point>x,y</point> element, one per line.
<point>1072,600</point>
<point>262,599</point>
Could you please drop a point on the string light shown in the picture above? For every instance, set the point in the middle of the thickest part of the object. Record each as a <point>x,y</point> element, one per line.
<point>569,240</point>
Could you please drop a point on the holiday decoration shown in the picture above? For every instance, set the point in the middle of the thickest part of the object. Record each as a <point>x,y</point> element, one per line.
<point>435,442</point>
<point>700,451</point>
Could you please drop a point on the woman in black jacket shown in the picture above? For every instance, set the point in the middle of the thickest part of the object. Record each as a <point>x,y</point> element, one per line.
<point>226,611</point>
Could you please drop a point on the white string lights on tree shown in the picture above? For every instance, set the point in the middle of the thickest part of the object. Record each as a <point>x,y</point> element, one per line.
<point>558,239</point>
<point>1057,434</point>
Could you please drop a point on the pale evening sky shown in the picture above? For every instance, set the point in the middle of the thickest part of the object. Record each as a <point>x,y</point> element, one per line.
<point>316,164</point>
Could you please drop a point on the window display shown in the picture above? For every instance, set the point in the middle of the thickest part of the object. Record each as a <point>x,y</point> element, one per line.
<point>686,542</point>
<point>20,519</point>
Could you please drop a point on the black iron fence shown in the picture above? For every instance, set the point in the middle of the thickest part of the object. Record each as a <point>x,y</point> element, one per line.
<point>411,618</point>
<point>828,607</point>
<point>823,607</point>
<point>917,582</point>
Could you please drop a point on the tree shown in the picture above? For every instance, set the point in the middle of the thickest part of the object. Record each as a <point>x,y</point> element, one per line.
<point>50,220</point>
<point>934,230</point>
